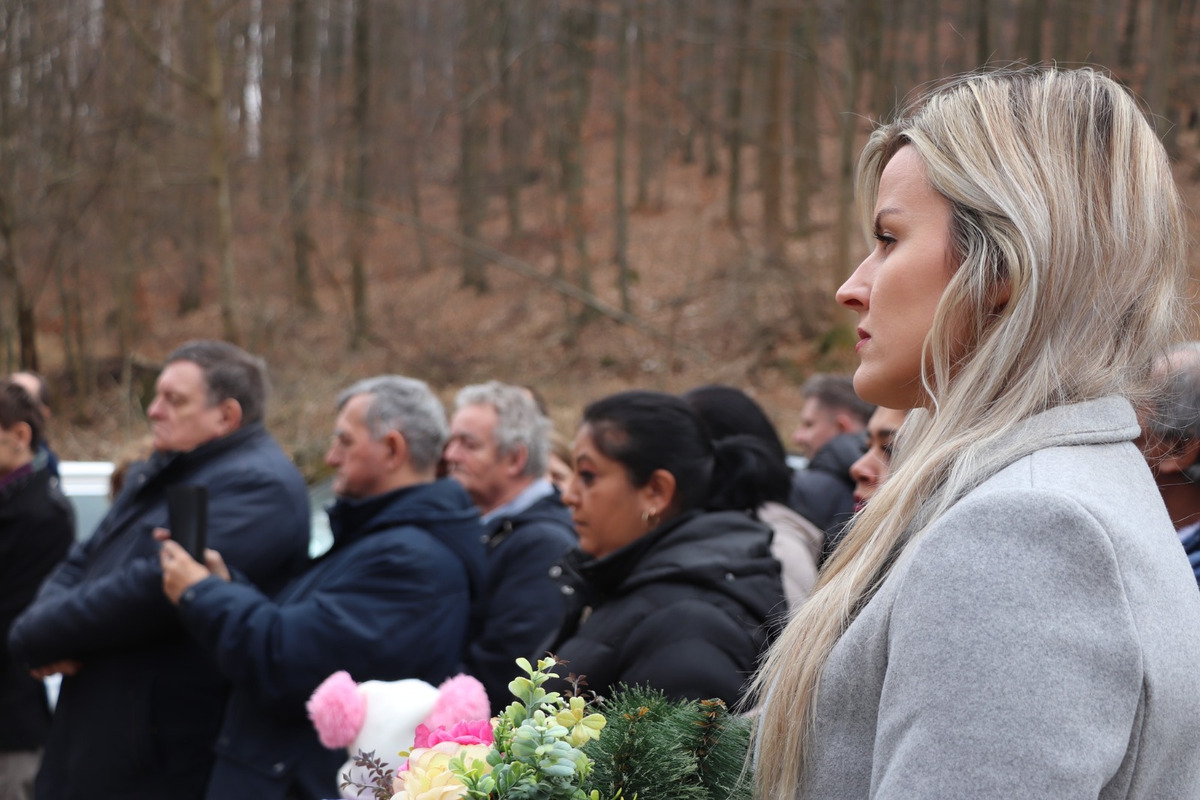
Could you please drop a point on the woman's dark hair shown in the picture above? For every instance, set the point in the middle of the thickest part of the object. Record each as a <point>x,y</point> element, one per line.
<point>647,431</point>
<point>731,414</point>
<point>18,405</point>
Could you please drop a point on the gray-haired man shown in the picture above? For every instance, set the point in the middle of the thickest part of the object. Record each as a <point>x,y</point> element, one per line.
<point>392,598</point>
<point>498,448</point>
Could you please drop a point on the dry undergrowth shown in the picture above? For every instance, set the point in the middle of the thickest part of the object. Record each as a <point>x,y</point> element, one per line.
<point>720,314</point>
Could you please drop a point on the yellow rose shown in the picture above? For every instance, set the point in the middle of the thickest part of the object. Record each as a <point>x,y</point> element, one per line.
<point>428,776</point>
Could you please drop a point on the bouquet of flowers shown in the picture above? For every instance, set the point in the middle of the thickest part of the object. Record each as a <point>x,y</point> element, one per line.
<point>547,746</point>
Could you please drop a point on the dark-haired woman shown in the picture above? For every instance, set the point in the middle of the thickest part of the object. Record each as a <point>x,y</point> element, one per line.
<point>728,411</point>
<point>673,585</point>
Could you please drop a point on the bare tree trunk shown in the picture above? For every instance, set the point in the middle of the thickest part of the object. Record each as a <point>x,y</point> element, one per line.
<point>76,351</point>
<point>770,151</point>
<point>710,88</point>
<point>472,194</point>
<point>1030,16</point>
<point>933,54</point>
<point>11,285</point>
<point>219,176</point>
<point>806,163</point>
<point>579,31</point>
<point>1108,25</point>
<point>983,37</point>
<point>847,224</point>
<point>360,169</point>
<point>1129,36</point>
<point>411,141</point>
<point>649,110</point>
<point>1160,76</point>
<point>299,150</point>
<point>620,210</point>
<point>1069,27</point>
<point>515,128</point>
<point>733,116</point>
<point>686,13</point>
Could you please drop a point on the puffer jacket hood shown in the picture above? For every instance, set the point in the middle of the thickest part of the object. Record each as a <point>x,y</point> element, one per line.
<point>725,552</point>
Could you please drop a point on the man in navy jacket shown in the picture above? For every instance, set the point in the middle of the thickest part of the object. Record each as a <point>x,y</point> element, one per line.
<point>499,444</point>
<point>140,703</point>
<point>391,599</point>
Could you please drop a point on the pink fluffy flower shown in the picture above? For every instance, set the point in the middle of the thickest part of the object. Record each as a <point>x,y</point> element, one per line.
<point>337,709</point>
<point>474,732</point>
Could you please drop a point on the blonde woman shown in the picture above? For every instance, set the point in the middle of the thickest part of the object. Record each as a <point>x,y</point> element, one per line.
<point>1011,615</point>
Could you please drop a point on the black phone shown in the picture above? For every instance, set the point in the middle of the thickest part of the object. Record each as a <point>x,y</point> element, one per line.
<point>187,518</point>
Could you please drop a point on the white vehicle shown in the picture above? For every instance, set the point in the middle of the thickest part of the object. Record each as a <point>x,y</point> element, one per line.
<point>86,484</point>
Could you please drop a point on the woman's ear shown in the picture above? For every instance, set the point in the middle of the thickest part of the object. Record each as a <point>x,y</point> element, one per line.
<point>659,492</point>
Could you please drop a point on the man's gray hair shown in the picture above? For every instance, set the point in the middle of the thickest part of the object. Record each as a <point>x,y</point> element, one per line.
<point>406,405</point>
<point>519,422</point>
<point>1175,412</point>
<point>231,373</point>
<point>836,393</point>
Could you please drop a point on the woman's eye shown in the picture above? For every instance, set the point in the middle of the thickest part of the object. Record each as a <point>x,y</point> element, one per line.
<point>887,450</point>
<point>885,239</point>
<point>586,477</point>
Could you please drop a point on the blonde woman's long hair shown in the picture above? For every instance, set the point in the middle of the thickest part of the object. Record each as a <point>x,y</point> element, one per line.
<point>1061,193</point>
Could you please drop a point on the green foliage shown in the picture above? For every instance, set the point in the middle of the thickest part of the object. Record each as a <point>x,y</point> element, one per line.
<point>663,749</point>
<point>535,755</point>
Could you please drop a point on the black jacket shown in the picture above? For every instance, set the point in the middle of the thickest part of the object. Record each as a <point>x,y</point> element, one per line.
<point>36,530</point>
<point>139,719</point>
<point>823,492</point>
<point>391,599</point>
<point>523,604</point>
<point>686,609</point>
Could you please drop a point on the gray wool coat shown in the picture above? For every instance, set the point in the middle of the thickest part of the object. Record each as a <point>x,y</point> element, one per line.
<point>1040,640</point>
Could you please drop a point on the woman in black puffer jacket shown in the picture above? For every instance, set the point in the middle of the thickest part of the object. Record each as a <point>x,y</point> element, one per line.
<point>673,585</point>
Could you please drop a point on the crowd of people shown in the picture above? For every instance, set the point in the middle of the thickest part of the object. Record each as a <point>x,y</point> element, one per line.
<point>982,566</point>
<point>657,562</point>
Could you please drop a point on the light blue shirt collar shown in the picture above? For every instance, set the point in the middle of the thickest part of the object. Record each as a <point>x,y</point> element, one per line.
<point>533,492</point>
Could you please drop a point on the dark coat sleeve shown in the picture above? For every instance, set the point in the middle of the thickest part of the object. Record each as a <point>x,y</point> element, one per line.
<point>77,614</point>
<point>263,527</point>
<point>385,608</point>
<point>525,605</point>
<point>73,617</point>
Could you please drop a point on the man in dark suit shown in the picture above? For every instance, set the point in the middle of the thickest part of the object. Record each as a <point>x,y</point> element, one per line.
<point>140,703</point>
<point>391,599</point>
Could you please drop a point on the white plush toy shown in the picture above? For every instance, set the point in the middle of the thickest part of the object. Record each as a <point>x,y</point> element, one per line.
<point>382,716</point>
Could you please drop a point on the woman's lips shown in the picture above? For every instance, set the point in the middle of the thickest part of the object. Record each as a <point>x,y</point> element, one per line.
<point>863,336</point>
